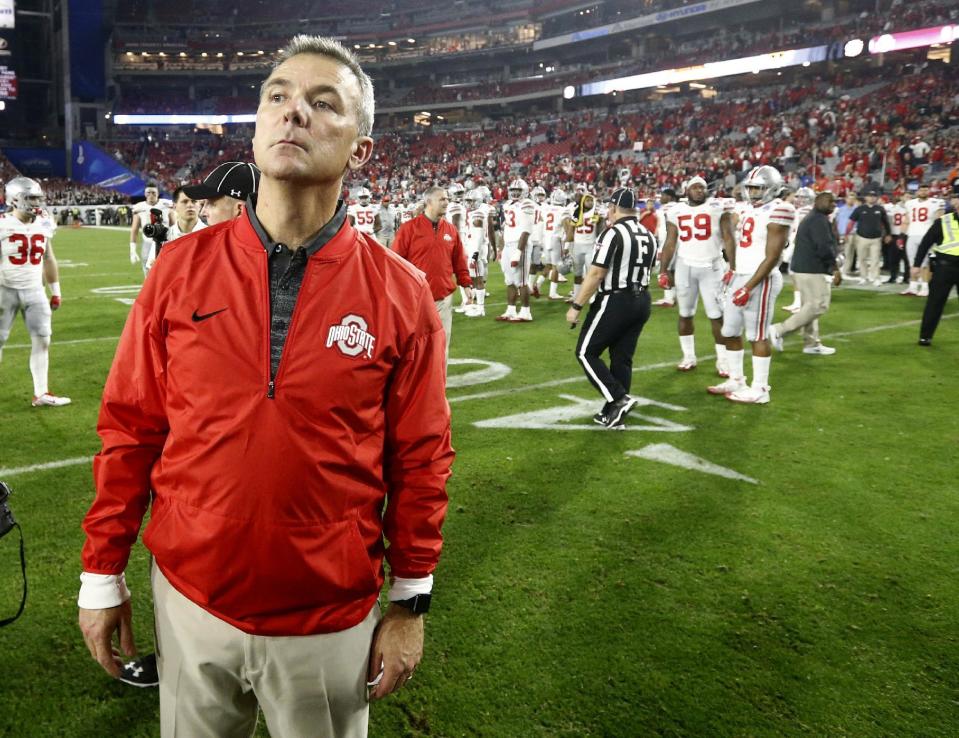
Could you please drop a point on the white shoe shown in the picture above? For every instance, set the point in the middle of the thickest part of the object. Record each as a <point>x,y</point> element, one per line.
<point>686,364</point>
<point>722,369</point>
<point>819,350</point>
<point>48,400</point>
<point>776,338</point>
<point>750,395</point>
<point>923,291</point>
<point>792,308</point>
<point>561,279</point>
<point>476,311</point>
<point>523,318</point>
<point>730,385</point>
<point>461,308</point>
<point>663,302</point>
<point>909,293</point>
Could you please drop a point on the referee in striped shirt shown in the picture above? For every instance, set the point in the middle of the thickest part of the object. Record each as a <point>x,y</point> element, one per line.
<point>619,276</point>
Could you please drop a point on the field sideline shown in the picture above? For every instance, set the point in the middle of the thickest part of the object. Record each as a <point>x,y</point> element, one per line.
<point>717,570</point>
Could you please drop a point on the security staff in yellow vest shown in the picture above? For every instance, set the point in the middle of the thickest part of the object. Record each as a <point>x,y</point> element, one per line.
<point>943,238</point>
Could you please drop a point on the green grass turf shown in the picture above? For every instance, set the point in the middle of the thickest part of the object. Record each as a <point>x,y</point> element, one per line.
<point>584,592</point>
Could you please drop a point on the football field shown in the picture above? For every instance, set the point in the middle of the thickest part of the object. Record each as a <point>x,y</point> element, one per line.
<point>715,570</point>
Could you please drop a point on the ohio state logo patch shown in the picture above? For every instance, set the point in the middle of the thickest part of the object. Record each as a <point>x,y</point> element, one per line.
<point>351,336</point>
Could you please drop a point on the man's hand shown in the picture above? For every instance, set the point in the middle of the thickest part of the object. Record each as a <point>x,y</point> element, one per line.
<point>664,280</point>
<point>134,256</point>
<point>887,238</point>
<point>55,302</point>
<point>914,272</point>
<point>397,650</point>
<point>572,317</point>
<point>469,295</point>
<point>98,627</point>
<point>728,277</point>
<point>740,297</point>
<point>836,278</point>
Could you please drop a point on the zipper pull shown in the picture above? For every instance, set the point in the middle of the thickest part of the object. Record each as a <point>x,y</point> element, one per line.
<point>271,390</point>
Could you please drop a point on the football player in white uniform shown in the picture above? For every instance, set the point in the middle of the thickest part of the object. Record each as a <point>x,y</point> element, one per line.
<point>754,281</point>
<point>479,245</point>
<point>518,214</point>
<point>921,211</point>
<point>363,214</point>
<point>554,231</point>
<point>898,213</point>
<point>668,200</point>
<point>582,227</point>
<point>186,219</point>
<point>802,201</point>
<point>698,232</point>
<point>536,276</point>
<point>456,214</point>
<point>151,211</point>
<point>26,260</point>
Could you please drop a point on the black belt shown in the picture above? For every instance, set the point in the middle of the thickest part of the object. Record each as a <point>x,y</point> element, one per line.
<point>636,290</point>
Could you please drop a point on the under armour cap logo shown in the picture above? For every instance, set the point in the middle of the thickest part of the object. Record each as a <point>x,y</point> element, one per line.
<point>235,193</point>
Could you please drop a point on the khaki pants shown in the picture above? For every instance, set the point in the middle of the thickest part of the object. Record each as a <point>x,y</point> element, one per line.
<point>816,293</point>
<point>868,256</point>
<point>445,309</point>
<point>213,677</point>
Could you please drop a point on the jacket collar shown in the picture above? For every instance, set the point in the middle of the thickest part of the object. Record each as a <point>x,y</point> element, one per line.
<point>334,238</point>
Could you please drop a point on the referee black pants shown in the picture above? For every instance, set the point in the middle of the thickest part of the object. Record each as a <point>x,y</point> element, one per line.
<point>614,322</point>
<point>945,276</point>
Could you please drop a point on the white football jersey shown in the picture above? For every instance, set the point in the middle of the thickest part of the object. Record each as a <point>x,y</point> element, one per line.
<point>587,232</point>
<point>457,212</point>
<point>22,246</point>
<point>921,214</point>
<point>364,216</point>
<point>553,218</point>
<point>539,223</point>
<point>801,214</point>
<point>477,236</point>
<point>406,212</point>
<point>896,212</point>
<point>175,231</point>
<point>699,240</point>
<point>518,218</point>
<point>143,210</point>
<point>752,230</point>
<point>663,216</point>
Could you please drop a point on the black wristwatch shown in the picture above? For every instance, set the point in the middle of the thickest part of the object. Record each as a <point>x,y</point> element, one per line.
<point>576,306</point>
<point>418,605</point>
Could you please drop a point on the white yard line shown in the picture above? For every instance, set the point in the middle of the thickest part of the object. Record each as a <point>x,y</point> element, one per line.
<point>56,344</point>
<point>667,364</point>
<point>76,461</point>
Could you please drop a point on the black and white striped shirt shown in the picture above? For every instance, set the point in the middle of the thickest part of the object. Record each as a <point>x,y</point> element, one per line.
<point>626,250</point>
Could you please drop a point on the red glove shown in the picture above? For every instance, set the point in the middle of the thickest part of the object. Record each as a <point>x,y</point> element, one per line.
<point>664,280</point>
<point>54,302</point>
<point>728,277</point>
<point>740,297</point>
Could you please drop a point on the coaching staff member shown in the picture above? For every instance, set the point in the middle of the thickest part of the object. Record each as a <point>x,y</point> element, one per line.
<point>813,257</point>
<point>619,276</point>
<point>872,229</point>
<point>279,387</point>
<point>943,238</point>
<point>432,244</point>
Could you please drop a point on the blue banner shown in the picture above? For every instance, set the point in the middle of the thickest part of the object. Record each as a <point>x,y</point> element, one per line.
<point>92,165</point>
<point>38,162</point>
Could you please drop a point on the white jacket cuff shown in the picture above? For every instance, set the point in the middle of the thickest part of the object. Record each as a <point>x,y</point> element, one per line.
<point>403,589</point>
<point>100,591</point>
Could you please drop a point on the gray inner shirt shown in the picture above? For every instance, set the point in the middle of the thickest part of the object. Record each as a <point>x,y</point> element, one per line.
<point>287,268</point>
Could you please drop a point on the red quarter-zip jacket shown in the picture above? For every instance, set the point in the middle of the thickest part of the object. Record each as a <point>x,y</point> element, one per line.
<point>438,252</point>
<point>271,504</point>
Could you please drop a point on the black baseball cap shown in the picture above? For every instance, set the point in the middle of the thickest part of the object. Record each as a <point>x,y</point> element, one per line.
<point>232,179</point>
<point>623,198</point>
<point>670,191</point>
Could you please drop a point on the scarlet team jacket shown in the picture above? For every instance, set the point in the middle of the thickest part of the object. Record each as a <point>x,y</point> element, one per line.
<point>437,251</point>
<point>271,500</point>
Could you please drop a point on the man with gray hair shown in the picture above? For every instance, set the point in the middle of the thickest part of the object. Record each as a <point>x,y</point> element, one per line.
<point>278,401</point>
